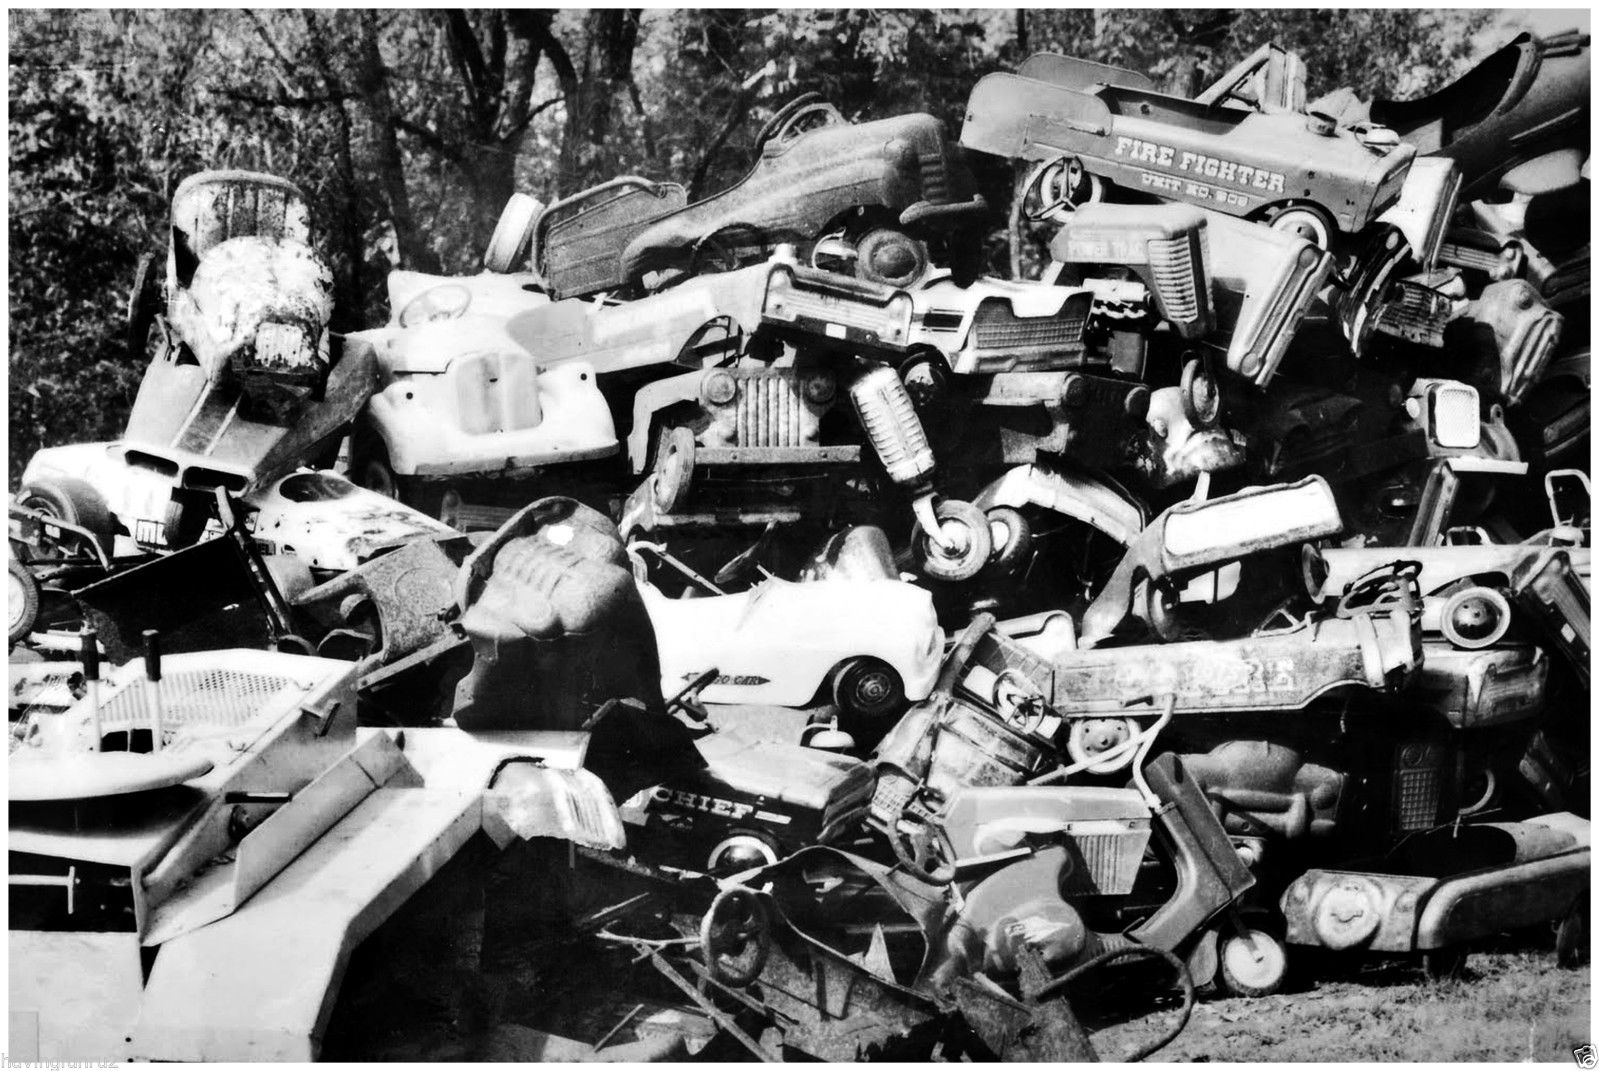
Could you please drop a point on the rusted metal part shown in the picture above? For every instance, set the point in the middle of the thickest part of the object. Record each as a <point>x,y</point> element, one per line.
<point>1383,912</point>
<point>410,589</point>
<point>1548,587</point>
<point>1280,671</point>
<point>1191,536</point>
<point>708,1006</point>
<point>1513,326</point>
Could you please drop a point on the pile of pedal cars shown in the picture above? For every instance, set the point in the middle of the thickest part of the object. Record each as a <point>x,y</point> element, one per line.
<point>1220,591</point>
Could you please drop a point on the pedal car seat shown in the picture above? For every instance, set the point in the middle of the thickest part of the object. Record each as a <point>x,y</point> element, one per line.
<point>556,624</point>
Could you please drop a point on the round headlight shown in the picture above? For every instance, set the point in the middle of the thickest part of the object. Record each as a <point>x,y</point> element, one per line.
<point>718,388</point>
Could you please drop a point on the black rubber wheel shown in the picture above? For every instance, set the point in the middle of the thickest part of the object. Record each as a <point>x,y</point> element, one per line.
<point>1571,936</point>
<point>1251,964</point>
<point>22,601</point>
<point>867,690</point>
<point>1201,399</point>
<point>974,544</point>
<point>72,501</point>
<point>674,468</point>
<point>186,517</point>
<point>369,463</point>
<point>1444,964</point>
<point>1012,536</point>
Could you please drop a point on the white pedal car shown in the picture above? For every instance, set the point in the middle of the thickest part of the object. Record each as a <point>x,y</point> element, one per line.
<point>874,645</point>
<point>324,519</point>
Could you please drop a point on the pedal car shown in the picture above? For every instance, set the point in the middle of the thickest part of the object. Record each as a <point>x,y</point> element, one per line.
<point>458,398</point>
<point>324,519</point>
<point>1519,119</point>
<point>869,645</point>
<point>891,184</point>
<point>1300,173</point>
<point>245,382</point>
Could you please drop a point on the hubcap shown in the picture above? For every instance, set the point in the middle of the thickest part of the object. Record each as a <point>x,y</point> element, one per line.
<point>1255,959</point>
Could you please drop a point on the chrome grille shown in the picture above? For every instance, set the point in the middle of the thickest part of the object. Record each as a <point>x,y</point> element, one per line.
<point>1172,262</point>
<point>1414,313</point>
<point>770,411</point>
<point>935,183</point>
<point>1417,786</point>
<point>1105,863</point>
<point>1532,355</point>
<point>997,328</point>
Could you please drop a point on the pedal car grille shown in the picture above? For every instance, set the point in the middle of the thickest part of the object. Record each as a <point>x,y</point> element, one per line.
<point>770,412</point>
<point>1172,262</point>
<point>1418,786</point>
<point>935,183</point>
<point>765,407</point>
<point>1105,863</point>
<point>997,328</point>
<point>1415,313</point>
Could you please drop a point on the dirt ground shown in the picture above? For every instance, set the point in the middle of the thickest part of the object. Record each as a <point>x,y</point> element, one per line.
<point>1511,1005</point>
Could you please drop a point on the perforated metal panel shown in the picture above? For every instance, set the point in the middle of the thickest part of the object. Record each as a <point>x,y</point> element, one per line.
<point>198,702</point>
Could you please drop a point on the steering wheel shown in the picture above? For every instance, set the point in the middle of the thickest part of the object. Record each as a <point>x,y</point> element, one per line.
<point>1388,587</point>
<point>1060,185</point>
<point>736,936</point>
<point>1019,702</point>
<point>722,250</point>
<point>448,301</point>
<point>922,846</point>
<point>789,122</point>
<point>746,559</point>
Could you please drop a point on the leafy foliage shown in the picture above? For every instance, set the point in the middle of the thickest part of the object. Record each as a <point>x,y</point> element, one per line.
<point>408,129</point>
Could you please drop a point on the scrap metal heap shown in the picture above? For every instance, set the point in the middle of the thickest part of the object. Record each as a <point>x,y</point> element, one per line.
<point>895,643</point>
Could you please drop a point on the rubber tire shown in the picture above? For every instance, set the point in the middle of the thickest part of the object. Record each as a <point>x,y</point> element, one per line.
<point>1194,376</point>
<point>1321,240</point>
<point>1444,964</point>
<point>369,464</point>
<point>186,516</point>
<point>1572,936</point>
<point>851,676</point>
<point>513,233</point>
<point>674,468</point>
<point>979,549</point>
<point>72,501</point>
<point>27,589</point>
<point>1232,945</point>
<point>1011,557</point>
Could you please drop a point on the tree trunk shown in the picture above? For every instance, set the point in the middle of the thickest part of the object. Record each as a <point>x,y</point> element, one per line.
<point>371,78</point>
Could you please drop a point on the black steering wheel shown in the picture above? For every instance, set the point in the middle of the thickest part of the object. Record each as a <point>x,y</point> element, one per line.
<point>746,559</point>
<point>789,122</point>
<point>736,936</point>
<point>922,846</point>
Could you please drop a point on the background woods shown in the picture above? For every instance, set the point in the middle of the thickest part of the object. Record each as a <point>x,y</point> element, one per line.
<point>409,129</point>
